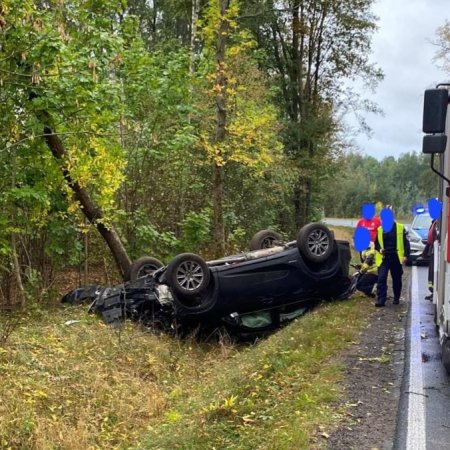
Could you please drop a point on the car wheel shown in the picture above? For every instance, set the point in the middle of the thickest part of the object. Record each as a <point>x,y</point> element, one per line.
<point>188,275</point>
<point>315,242</point>
<point>264,239</point>
<point>145,265</point>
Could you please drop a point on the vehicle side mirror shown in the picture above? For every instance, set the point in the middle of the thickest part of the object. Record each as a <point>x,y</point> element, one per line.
<point>434,143</point>
<point>435,110</point>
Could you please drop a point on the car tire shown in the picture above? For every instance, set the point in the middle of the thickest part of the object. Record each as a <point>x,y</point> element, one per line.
<point>187,275</point>
<point>264,239</point>
<point>145,265</point>
<point>315,242</point>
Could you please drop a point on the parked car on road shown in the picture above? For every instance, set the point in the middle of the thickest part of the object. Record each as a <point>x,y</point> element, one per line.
<point>417,235</point>
<point>273,280</point>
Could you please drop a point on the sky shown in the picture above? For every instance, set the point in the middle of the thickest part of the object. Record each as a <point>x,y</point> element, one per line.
<point>403,49</point>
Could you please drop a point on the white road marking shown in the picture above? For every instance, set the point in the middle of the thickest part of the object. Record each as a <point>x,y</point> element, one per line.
<point>415,438</point>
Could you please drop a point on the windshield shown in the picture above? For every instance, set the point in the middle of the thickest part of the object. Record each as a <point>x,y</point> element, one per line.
<point>422,221</point>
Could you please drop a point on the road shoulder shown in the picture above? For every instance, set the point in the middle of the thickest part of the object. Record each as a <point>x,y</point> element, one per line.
<point>373,376</point>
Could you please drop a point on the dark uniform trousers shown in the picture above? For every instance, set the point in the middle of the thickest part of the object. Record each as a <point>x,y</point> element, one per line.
<point>390,264</point>
<point>366,283</point>
<point>431,269</point>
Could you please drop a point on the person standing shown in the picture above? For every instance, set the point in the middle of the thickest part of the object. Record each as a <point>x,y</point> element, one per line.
<point>429,253</point>
<point>369,221</point>
<point>392,250</point>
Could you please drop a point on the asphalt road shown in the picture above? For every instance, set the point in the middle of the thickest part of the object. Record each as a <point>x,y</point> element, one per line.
<point>424,409</point>
<point>338,222</point>
<point>424,412</point>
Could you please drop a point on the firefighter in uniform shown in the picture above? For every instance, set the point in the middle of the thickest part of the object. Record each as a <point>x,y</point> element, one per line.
<point>428,253</point>
<point>392,249</point>
<point>369,272</point>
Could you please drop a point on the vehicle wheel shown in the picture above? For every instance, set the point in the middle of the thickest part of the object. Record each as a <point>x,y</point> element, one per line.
<point>145,265</point>
<point>188,275</point>
<point>315,242</point>
<point>264,239</point>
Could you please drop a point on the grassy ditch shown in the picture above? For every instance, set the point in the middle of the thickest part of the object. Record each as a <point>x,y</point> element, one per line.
<point>81,385</point>
<point>279,394</point>
<point>346,233</point>
<point>70,382</point>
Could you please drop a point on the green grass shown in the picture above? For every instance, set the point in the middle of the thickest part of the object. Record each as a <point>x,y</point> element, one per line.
<point>84,385</point>
<point>276,395</point>
<point>346,233</point>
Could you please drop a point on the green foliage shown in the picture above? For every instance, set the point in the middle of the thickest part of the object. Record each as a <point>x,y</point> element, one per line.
<point>132,95</point>
<point>154,242</point>
<point>251,119</point>
<point>310,48</point>
<point>358,179</point>
<point>58,67</point>
<point>196,230</point>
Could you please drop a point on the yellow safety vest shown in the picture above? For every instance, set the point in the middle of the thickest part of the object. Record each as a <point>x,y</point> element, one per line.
<point>366,268</point>
<point>400,246</point>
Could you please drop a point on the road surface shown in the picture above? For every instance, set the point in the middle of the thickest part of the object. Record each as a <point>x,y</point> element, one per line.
<point>424,411</point>
<point>338,222</point>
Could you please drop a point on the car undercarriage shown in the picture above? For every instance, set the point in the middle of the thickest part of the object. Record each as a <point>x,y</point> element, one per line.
<point>253,291</point>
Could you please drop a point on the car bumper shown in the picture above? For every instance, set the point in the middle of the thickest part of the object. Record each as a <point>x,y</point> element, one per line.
<point>416,253</point>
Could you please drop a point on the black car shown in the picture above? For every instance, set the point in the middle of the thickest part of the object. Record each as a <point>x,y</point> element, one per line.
<point>257,289</point>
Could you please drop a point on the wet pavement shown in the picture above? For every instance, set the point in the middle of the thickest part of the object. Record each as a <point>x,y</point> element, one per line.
<point>424,415</point>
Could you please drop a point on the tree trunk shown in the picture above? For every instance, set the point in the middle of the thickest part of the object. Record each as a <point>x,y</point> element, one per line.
<point>15,259</point>
<point>296,62</point>
<point>219,229</point>
<point>300,87</point>
<point>221,83</point>
<point>194,38</point>
<point>92,212</point>
<point>16,266</point>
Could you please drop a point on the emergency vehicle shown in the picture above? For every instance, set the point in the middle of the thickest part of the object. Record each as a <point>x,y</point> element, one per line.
<point>436,125</point>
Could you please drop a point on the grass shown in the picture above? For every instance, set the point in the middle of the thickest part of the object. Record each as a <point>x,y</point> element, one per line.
<point>276,395</point>
<point>84,385</point>
<point>70,382</point>
<point>346,233</point>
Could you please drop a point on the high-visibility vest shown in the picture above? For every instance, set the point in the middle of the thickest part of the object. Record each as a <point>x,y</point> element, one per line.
<point>369,268</point>
<point>400,245</point>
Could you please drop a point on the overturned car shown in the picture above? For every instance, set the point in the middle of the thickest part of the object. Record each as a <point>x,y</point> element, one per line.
<point>252,291</point>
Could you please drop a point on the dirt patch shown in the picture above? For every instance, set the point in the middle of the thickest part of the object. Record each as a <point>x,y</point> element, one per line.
<point>69,279</point>
<point>373,376</point>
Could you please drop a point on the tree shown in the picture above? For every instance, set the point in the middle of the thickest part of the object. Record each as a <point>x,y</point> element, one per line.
<point>402,182</point>
<point>312,47</point>
<point>442,56</point>
<point>243,131</point>
<point>58,66</point>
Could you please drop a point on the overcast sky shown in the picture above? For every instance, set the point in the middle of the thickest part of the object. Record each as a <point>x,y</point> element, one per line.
<point>402,48</point>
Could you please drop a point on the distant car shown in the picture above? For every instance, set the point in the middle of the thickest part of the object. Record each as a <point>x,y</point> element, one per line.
<point>250,291</point>
<point>417,235</point>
